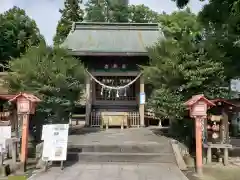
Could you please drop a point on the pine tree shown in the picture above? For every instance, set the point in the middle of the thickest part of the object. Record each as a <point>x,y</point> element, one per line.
<point>71,12</point>
<point>181,65</point>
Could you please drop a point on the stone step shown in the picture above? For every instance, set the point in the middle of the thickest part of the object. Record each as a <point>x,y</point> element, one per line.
<point>122,157</point>
<point>158,148</point>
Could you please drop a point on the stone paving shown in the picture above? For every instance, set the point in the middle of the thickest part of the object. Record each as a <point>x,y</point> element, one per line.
<point>142,138</point>
<point>91,136</point>
<point>113,171</point>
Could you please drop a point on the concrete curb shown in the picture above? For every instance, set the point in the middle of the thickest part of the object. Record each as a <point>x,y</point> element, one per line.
<point>35,173</point>
<point>179,159</point>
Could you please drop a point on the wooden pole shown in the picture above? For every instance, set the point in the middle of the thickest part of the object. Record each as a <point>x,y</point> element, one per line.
<point>24,147</point>
<point>198,131</point>
<point>141,106</point>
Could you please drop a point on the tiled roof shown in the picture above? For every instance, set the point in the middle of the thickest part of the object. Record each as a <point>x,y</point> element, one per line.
<point>126,38</point>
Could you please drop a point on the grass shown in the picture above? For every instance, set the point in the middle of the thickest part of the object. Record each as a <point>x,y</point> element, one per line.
<point>17,178</point>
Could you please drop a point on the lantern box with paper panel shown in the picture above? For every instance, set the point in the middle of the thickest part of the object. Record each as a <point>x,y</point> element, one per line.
<point>198,105</point>
<point>26,103</point>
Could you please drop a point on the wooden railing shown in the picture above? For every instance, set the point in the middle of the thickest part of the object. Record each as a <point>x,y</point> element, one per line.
<point>96,119</point>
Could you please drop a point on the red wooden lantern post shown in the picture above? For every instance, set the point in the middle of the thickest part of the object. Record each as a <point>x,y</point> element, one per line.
<point>26,104</point>
<point>198,106</point>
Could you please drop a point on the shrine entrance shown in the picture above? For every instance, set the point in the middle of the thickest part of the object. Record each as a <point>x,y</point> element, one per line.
<point>115,96</point>
<point>113,55</point>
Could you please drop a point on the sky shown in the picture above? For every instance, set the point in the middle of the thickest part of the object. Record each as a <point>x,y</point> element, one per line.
<point>46,12</point>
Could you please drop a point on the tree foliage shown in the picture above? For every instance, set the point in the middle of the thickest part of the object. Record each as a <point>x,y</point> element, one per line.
<point>118,11</point>
<point>106,11</point>
<point>183,3</point>
<point>222,30</point>
<point>142,14</point>
<point>71,12</point>
<point>18,32</point>
<point>94,11</point>
<point>51,74</point>
<point>181,65</point>
<point>223,26</point>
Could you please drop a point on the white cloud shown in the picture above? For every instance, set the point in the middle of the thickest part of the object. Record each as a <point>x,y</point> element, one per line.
<point>46,12</point>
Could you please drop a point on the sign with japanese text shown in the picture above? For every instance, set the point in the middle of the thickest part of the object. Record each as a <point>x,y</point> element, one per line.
<point>23,106</point>
<point>55,145</point>
<point>5,133</point>
<point>199,109</point>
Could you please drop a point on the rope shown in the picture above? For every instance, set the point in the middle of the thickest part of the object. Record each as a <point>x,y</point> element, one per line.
<point>112,87</point>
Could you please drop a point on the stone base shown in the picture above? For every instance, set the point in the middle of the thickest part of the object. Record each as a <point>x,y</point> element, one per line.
<point>4,170</point>
<point>23,167</point>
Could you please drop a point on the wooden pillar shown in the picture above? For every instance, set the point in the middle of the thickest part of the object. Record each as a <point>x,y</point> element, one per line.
<point>15,117</point>
<point>88,100</point>
<point>225,126</point>
<point>198,131</point>
<point>24,147</point>
<point>141,106</point>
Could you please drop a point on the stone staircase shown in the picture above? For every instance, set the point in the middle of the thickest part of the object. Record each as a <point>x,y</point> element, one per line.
<point>138,146</point>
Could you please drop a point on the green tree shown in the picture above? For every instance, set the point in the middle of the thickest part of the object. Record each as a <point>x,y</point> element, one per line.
<point>106,11</point>
<point>182,65</point>
<point>71,12</point>
<point>118,10</point>
<point>223,27</point>
<point>183,3</point>
<point>142,14</point>
<point>51,74</point>
<point>180,22</point>
<point>94,11</point>
<point>18,32</point>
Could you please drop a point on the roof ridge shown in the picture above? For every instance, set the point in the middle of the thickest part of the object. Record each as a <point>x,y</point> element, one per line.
<point>115,23</point>
<point>122,26</point>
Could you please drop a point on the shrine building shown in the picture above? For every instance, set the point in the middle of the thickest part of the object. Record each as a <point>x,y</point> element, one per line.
<point>112,54</point>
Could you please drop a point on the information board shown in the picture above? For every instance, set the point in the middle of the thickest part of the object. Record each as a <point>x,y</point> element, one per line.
<point>55,145</point>
<point>5,133</point>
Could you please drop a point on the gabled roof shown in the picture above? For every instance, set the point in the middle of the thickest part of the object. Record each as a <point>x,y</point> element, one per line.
<point>30,97</point>
<point>196,98</point>
<point>224,102</point>
<point>124,39</point>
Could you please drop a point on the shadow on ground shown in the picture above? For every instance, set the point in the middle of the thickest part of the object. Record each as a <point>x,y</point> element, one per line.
<point>84,130</point>
<point>65,163</point>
